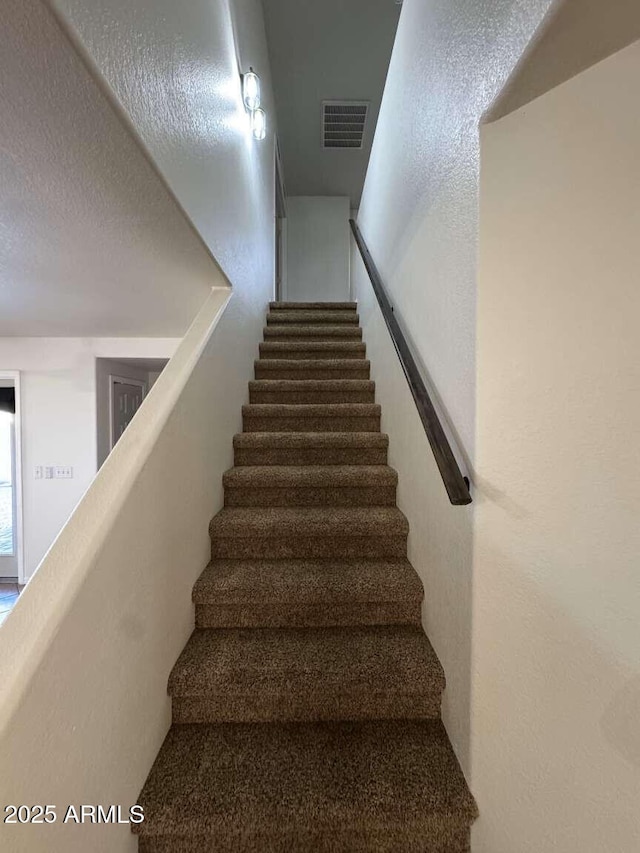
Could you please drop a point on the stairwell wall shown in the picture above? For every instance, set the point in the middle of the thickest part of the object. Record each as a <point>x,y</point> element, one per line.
<point>556,738</point>
<point>419,218</point>
<point>88,648</point>
<point>173,72</point>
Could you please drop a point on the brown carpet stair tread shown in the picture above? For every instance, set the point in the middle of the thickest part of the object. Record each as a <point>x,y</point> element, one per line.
<point>293,385</point>
<point>311,391</point>
<point>312,410</point>
<point>308,306</point>
<point>322,440</point>
<point>306,593</point>
<point>312,331</point>
<point>314,368</point>
<point>386,786</point>
<point>258,477</point>
<point>307,581</point>
<point>245,522</point>
<point>311,350</point>
<point>322,449</point>
<point>328,318</point>
<point>316,663</point>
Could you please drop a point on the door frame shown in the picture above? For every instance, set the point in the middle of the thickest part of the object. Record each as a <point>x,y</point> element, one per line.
<point>14,375</point>
<point>122,380</point>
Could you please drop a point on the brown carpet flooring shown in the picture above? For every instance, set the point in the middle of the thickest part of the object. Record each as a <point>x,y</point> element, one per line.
<point>306,705</point>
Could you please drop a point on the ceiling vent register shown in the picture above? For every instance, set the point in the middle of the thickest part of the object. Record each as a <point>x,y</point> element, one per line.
<point>343,123</point>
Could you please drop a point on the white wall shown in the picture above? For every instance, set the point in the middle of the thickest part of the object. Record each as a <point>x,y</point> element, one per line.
<point>58,383</point>
<point>173,70</point>
<point>556,737</point>
<point>317,249</point>
<point>419,217</point>
<point>94,244</point>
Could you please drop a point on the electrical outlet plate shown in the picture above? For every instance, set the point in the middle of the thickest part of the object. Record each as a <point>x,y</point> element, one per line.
<point>63,472</point>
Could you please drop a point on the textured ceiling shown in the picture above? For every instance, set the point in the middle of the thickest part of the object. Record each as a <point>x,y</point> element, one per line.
<point>91,241</point>
<point>329,50</point>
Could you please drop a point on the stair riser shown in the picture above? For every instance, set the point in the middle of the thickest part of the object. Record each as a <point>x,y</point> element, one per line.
<point>429,837</point>
<point>311,548</point>
<point>311,456</point>
<point>261,707</point>
<point>354,372</point>
<point>319,318</point>
<point>310,397</point>
<point>311,354</point>
<point>313,306</point>
<point>260,423</point>
<point>304,615</point>
<point>317,334</point>
<point>313,496</point>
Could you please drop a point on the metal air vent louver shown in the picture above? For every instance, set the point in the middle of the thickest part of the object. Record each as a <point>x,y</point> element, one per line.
<point>343,123</point>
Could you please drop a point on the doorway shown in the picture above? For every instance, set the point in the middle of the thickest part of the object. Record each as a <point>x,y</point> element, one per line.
<point>125,398</point>
<point>10,478</point>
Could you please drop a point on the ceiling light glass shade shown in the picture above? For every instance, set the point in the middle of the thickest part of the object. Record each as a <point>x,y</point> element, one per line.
<point>259,124</point>
<point>251,90</point>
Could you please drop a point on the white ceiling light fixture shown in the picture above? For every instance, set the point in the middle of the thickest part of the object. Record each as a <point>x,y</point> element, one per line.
<point>251,98</point>
<point>259,124</point>
<point>251,90</point>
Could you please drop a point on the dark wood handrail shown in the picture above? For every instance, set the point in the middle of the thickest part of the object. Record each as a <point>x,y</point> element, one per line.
<point>456,485</point>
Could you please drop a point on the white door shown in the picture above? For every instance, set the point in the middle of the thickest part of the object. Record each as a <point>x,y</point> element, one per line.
<point>9,480</point>
<point>126,398</point>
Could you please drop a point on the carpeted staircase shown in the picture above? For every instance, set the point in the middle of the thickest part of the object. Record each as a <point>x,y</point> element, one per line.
<point>306,705</point>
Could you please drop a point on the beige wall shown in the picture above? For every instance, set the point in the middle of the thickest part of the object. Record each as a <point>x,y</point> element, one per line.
<point>87,650</point>
<point>556,698</point>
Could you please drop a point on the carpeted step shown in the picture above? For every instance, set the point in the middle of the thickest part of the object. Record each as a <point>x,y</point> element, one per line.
<point>350,787</point>
<point>307,593</point>
<point>275,533</point>
<point>310,485</point>
<point>329,417</point>
<point>310,448</point>
<point>312,333</point>
<point>311,391</point>
<point>314,368</point>
<point>277,317</point>
<point>306,350</point>
<point>309,306</point>
<point>246,675</point>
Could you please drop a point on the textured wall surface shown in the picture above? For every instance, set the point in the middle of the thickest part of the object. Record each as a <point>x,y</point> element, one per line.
<point>556,737</point>
<point>174,68</point>
<point>90,643</point>
<point>92,241</point>
<point>318,249</point>
<point>419,217</point>
<point>576,35</point>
